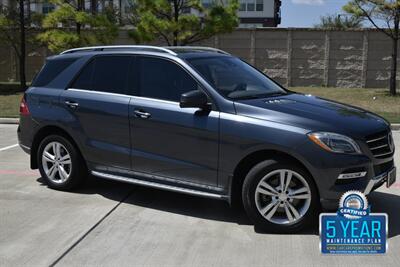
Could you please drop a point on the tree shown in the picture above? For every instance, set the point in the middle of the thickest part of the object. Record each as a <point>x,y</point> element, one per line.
<point>16,30</point>
<point>381,12</point>
<point>182,22</point>
<point>338,21</point>
<point>69,26</point>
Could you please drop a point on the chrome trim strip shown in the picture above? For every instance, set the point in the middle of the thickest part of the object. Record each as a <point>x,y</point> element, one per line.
<point>116,94</point>
<point>155,100</point>
<point>383,154</point>
<point>353,175</point>
<point>138,47</point>
<point>157,185</point>
<point>377,147</point>
<point>204,48</point>
<point>97,92</point>
<point>376,139</point>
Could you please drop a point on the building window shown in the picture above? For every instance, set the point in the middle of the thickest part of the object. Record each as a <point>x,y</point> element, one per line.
<point>47,8</point>
<point>251,5</point>
<point>259,5</point>
<point>206,3</point>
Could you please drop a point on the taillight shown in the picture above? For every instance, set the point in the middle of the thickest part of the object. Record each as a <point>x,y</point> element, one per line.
<point>23,107</point>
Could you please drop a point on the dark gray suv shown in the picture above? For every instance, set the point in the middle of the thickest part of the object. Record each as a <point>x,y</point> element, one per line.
<point>199,121</point>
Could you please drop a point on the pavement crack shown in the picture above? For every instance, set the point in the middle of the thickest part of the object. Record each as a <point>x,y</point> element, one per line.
<point>65,253</point>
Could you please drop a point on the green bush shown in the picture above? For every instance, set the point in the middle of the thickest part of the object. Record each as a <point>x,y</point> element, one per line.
<point>10,87</point>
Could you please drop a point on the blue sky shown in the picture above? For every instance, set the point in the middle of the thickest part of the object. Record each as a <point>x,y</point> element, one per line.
<point>306,13</point>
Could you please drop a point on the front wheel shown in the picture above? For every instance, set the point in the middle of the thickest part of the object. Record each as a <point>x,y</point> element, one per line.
<point>280,197</point>
<point>60,163</point>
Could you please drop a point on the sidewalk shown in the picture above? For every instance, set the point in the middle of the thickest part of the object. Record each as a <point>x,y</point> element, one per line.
<point>9,120</point>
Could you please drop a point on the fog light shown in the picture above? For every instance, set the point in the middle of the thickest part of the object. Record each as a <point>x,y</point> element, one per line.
<point>352,175</point>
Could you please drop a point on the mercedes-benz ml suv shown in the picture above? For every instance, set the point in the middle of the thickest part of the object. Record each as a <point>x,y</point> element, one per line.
<point>199,121</point>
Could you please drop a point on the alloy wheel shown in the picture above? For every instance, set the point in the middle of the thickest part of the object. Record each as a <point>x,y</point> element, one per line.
<point>283,196</point>
<point>56,162</point>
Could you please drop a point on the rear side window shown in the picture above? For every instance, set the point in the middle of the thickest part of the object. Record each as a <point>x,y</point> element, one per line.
<point>51,70</point>
<point>84,80</point>
<point>105,74</point>
<point>163,79</point>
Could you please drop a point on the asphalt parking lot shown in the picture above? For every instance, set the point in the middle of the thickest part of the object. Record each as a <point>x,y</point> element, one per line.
<point>116,224</point>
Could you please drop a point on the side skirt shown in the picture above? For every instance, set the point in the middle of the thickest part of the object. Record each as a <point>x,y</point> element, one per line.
<point>159,185</point>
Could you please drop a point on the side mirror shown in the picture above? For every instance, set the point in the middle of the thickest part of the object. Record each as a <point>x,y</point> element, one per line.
<point>194,99</point>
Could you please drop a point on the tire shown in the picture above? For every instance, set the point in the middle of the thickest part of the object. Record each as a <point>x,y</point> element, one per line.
<point>68,172</point>
<point>279,216</point>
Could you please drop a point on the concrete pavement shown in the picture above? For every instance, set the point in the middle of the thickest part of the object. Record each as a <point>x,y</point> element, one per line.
<point>116,224</point>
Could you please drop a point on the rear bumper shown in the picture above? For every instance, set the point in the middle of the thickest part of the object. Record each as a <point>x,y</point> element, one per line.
<point>23,141</point>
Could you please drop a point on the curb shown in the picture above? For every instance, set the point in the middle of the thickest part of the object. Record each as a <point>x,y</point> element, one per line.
<point>9,120</point>
<point>395,126</point>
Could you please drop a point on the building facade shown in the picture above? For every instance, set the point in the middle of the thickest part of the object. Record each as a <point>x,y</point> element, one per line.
<point>252,13</point>
<point>256,13</point>
<point>259,13</point>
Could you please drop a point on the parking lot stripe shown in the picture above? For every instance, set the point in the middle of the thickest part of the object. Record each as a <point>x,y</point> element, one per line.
<point>8,147</point>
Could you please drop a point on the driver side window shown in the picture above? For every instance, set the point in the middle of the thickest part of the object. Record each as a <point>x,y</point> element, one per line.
<point>163,79</point>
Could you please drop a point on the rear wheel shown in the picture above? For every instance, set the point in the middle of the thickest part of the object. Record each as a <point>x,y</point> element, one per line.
<point>60,163</point>
<point>280,197</point>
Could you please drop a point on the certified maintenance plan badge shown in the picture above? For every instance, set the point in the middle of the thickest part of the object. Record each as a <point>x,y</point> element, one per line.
<point>353,229</point>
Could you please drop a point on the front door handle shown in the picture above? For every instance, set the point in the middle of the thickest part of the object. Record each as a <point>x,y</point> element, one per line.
<point>71,104</point>
<point>142,114</point>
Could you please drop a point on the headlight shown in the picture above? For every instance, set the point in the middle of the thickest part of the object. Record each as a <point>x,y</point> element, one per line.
<point>336,143</point>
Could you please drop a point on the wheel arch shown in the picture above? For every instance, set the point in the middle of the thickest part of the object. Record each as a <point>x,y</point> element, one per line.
<point>41,134</point>
<point>252,159</point>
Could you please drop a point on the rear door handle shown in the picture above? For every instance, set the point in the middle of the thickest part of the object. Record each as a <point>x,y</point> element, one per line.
<point>142,114</point>
<point>71,104</point>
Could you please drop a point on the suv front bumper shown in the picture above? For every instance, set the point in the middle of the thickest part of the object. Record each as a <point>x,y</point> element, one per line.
<point>379,180</point>
<point>373,184</point>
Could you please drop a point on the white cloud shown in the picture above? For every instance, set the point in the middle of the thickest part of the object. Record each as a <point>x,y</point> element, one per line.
<point>309,2</point>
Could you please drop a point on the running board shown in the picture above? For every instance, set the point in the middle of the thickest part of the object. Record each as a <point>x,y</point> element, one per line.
<point>158,185</point>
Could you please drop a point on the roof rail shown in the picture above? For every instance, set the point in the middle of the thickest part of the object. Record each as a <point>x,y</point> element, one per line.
<point>127,47</point>
<point>198,48</point>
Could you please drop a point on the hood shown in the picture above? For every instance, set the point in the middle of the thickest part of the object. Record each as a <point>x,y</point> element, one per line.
<point>314,114</point>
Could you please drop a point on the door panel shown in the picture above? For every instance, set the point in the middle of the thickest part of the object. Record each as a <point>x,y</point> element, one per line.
<point>103,122</point>
<point>174,142</point>
<point>98,105</point>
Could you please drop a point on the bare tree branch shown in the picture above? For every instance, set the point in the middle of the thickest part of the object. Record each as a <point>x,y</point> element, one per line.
<point>369,17</point>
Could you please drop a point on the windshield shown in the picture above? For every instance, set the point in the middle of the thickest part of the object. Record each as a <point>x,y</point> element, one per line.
<point>234,78</point>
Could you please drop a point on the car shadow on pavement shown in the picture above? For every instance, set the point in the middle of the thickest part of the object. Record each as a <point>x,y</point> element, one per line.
<point>381,202</point>
<point>210,209</point>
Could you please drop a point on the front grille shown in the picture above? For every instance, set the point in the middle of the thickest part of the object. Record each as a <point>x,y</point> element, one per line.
<point>380,144</point>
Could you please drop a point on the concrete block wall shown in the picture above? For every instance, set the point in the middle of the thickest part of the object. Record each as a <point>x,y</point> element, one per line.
<point>293,57</point>
<point>313,57</point>
<point>271,53</point>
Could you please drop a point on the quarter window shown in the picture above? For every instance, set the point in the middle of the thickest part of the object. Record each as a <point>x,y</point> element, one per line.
<point>51,70</point>
<point>163,79</point>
